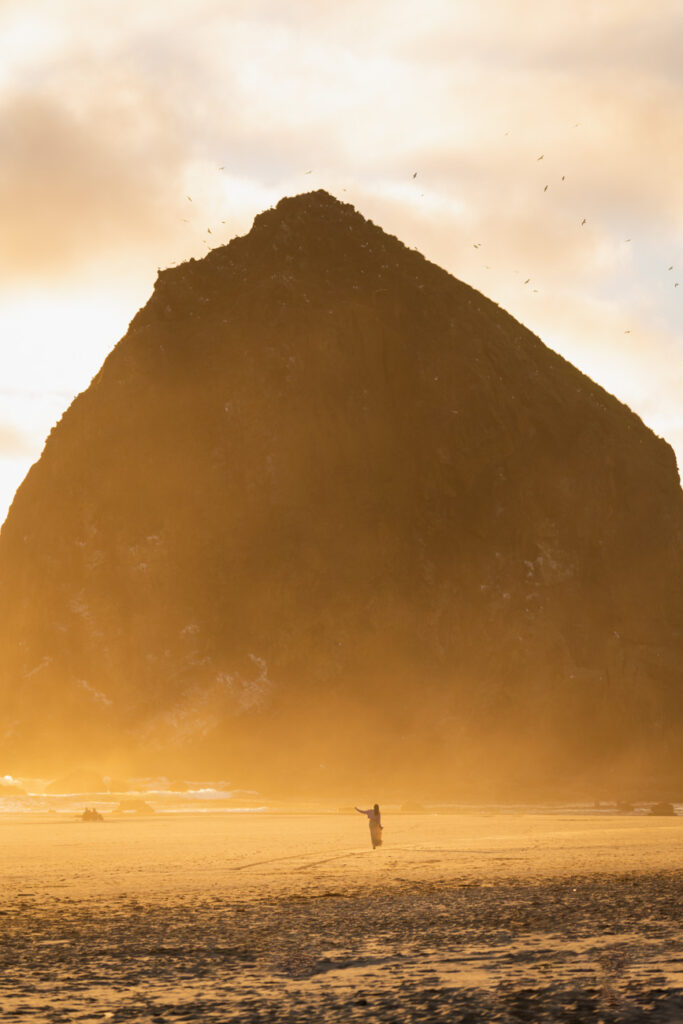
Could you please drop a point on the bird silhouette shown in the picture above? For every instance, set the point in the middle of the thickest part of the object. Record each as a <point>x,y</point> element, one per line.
<point>563,177</point>
<point>210,231</point>
<point>189,197</point>
<point>627,239</point>
<point>627,332</point>
<point>309,172</point>
<point>583,222</point>
<point>676,285</point>
<point>527,280</point>
<point>671,267</point>
<point>545,189</point>
<point>415,174</point>
<point>540,157</point>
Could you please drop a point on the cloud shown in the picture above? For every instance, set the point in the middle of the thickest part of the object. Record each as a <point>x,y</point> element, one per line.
<point>13,442</point>
<point>133,109</point>
<point>76,185</point>
<point>111,113</point>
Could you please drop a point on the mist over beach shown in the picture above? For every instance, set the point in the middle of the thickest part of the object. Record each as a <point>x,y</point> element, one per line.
<point>341,558</point>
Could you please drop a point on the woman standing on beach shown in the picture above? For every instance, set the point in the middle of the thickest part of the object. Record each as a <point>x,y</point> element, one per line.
<point>375,825</point>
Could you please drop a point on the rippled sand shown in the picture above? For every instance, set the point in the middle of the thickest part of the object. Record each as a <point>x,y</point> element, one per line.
<point>294,917</point>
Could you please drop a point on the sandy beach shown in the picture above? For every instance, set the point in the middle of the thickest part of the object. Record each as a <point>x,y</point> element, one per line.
<point>470,917</point>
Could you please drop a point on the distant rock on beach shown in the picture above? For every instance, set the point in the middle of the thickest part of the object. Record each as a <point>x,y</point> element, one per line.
<point>135,806</point>
<point>323,491</point>
<point>663,810</point>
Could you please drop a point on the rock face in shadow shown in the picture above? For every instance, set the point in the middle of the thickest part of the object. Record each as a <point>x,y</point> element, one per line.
<point>329,517</point>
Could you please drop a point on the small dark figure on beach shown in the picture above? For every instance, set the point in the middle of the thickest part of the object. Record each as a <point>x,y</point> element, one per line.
<point>375,825</point>
<point>91,814</point>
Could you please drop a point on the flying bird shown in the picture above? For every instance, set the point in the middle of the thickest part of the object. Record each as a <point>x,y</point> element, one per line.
<point>475,245</point>
<point>527,280</point>
<point>189,197</point>
<point>676,285</point>
<point>583,222</point>
<point>221,168</point>
<point>210,231</point>
<point>415,174</point>
<point>627,239</point>
<point>671,267</point>
<point>540,157</point>
<point>563,177</point>
<point>545,189</point>
<point>309,172</point>
<point>627,332</point>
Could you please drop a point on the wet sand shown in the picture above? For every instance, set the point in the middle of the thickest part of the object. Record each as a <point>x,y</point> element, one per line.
<point>295,918</point>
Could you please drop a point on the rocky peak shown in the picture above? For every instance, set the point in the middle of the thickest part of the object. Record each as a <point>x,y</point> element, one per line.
<point>322,488</point>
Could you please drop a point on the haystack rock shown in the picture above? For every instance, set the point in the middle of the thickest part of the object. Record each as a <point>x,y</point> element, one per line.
<point>328,518</point>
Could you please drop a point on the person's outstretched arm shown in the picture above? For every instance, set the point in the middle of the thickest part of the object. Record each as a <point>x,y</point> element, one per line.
<point>361,812</point>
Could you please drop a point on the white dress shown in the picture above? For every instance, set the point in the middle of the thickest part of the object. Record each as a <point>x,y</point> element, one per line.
<point>375,826</point>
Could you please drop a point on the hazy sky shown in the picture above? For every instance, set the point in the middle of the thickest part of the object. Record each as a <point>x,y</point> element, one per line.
<point>114,111</point>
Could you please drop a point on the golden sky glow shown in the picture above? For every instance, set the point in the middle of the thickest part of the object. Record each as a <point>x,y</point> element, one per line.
<point>113,112</point>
